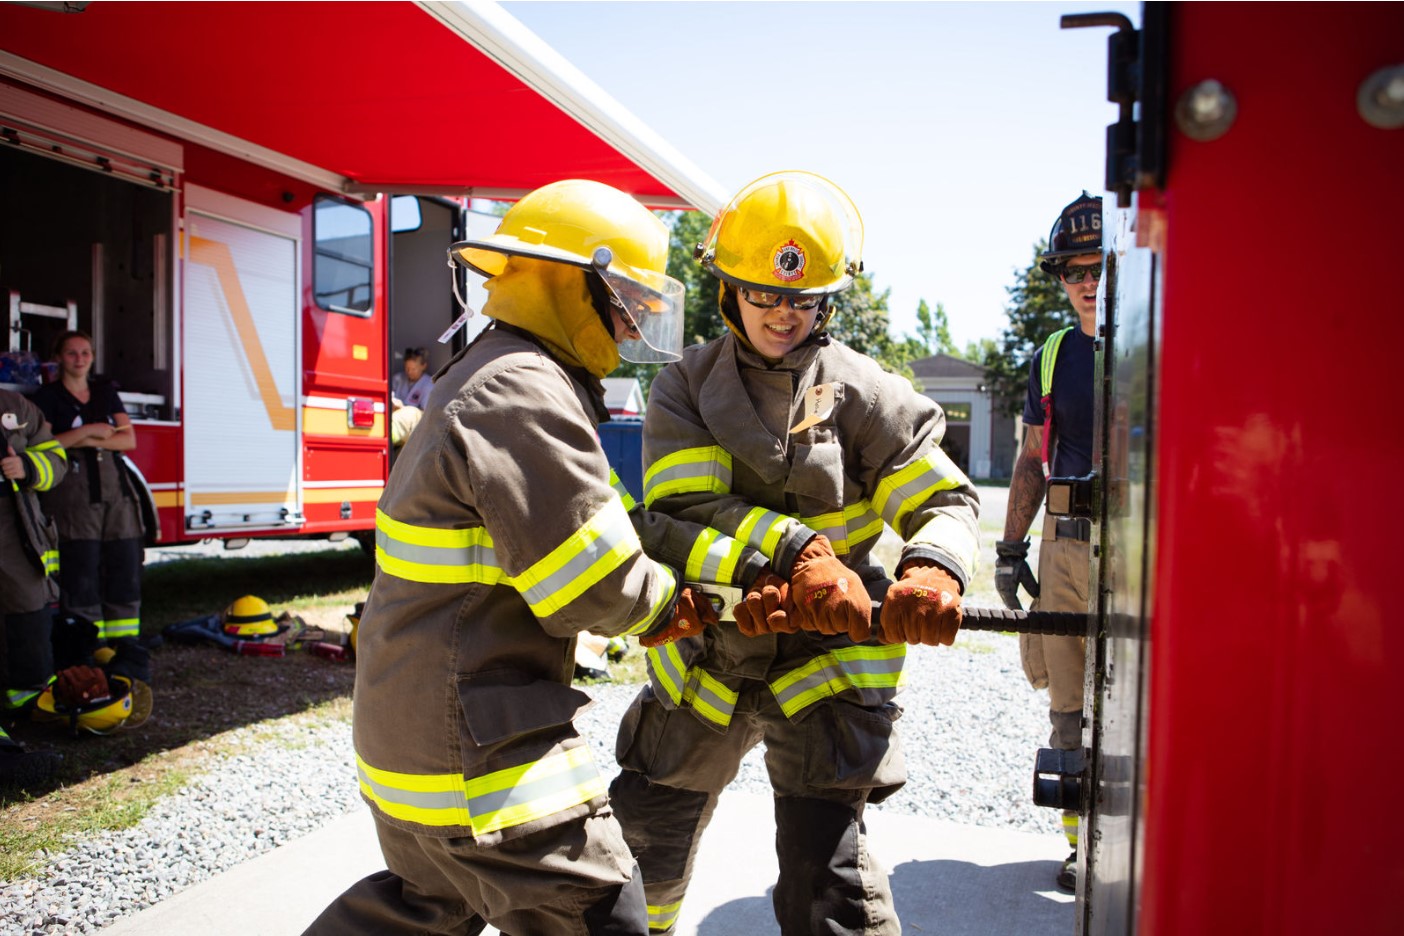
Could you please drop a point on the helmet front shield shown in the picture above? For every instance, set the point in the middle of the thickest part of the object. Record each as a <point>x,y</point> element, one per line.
<point>651,304</point>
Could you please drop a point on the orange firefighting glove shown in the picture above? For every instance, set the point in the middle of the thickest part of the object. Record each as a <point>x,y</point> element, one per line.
<point>691,614</point>
<point>923,608</point>
<point>828,596</point>
<point>766,608</point>
<point>78,686</point>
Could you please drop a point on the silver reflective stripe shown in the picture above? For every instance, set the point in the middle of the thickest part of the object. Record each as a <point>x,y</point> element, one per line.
<point>858,667</point>
<point>603,544</point>
<point>714,556</point>
<point>689,471</point>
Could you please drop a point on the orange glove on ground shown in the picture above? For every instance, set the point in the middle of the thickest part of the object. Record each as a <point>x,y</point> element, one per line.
<point>766,607</point>
<point>923,608</point>
<point>691,615</point>
<point>78,686</point>
<point>828,596</point>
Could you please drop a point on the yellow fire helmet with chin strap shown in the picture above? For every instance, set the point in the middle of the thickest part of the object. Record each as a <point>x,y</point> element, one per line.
<point>126,698</point>
<point>793,233</point>
<point>597,228</point>
<point>248,617</point>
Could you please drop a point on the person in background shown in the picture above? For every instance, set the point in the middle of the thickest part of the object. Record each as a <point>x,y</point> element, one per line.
<point>95,506</point>
<point>1058,417</point>
<point>409,390</point>
<point>32,462</point>
<point>781,437</point>
<point>502,535</point>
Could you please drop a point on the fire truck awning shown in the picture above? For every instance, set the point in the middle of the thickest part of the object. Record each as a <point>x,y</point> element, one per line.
<point>421,98</point>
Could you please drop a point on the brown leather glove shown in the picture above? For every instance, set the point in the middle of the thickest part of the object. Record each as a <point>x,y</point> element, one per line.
<point>828,596</point>
<point>923,608</point>
<point>766,607</point>
<point>78,686</point>
<point>691,615</point>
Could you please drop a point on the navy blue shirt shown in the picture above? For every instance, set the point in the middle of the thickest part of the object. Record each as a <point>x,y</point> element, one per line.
<point>1073,404</point>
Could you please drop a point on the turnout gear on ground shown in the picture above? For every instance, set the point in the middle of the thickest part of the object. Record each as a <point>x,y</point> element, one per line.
<point>249,617</point>
<point>690,616</point>
<point>923,607</point>
<point>766,607</point>
<point>1077,231</point>
<point>827,595</point>
<point>1011,571</point>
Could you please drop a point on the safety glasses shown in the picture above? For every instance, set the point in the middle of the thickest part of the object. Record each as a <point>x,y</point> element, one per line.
<point>769,300</point>
<point>1075,275</point>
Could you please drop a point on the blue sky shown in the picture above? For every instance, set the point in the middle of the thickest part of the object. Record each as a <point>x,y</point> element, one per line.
<point>959,129</point>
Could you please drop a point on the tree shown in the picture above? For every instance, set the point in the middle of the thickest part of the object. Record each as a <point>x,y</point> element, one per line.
<point>1037,308</point>
<point>934,330</point>
<point>860,321</point>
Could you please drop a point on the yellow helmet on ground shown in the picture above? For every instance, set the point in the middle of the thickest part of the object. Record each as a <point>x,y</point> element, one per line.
<point>789,232</point>
<point>249,616</point>
<point>597,228</point>
<point>100,717</point>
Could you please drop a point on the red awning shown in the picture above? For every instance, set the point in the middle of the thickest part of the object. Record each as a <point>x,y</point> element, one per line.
<point>377,96</point>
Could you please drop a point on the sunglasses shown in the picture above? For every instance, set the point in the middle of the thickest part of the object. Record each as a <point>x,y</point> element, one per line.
<point>769,300</point>
<point>1075,275</point>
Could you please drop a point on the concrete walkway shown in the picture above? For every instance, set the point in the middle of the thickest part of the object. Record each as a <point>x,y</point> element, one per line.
<point>946,878</point>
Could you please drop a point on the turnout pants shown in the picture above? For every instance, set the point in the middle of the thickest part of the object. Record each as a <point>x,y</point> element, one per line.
<point>575,879</point>
<point>824,768</point>
<point>100,548</point>
<point>26,648</point>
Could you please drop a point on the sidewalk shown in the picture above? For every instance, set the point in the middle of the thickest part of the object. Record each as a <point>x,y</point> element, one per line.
<point>948,879</point>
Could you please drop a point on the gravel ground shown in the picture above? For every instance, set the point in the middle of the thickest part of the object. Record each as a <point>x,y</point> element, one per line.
<point>969,732</point>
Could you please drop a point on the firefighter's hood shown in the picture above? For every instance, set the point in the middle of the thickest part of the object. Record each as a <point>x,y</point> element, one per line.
<point>552,301</point>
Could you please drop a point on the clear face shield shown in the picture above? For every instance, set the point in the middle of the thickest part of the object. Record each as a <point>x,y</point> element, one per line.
<point>651,305</point>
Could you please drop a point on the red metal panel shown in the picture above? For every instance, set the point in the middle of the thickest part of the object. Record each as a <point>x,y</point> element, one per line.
<point>159,457</point>
<point>1273,754</point>
<point>378,92</point>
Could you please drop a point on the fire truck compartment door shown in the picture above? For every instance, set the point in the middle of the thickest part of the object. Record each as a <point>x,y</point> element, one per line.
<point>240,361</point>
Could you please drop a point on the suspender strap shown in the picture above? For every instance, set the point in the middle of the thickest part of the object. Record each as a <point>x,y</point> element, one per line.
<point>1050,358</point>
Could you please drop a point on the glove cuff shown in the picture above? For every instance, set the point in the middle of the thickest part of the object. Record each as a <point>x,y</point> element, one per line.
<point>1012,549</point>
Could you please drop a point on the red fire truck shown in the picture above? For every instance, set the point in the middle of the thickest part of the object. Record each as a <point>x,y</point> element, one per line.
<point>249,205</point>
<point>1240,764</point>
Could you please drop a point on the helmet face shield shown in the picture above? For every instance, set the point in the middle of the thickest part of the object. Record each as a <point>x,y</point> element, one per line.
<point>654,314</point>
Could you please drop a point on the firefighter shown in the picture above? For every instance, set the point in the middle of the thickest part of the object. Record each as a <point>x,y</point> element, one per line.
<point>99,522</point>
<point>1058,414</point>
<point>500,537</point>
<point>32,461</point>
<point>782,437</point>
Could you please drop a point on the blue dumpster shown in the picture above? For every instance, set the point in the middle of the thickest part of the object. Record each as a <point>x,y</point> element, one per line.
<point>622,440</point>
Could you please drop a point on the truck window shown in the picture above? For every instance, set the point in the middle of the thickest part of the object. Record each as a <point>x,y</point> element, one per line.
<point>342,256</point>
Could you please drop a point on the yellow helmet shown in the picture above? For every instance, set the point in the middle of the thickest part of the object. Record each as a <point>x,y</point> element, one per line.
<point>249,616</point>
<point>598,228</point>
<point>101,717</point>
<point>789,232</point>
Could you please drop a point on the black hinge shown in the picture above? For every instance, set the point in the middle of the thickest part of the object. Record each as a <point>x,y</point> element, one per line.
<point>1136,63</point>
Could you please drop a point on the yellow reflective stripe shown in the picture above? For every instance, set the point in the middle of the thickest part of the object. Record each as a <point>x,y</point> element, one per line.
<point>903,491</point>
<point>122,627</point>
<point>666,670</point>
<point>845,529</point>
<point>1050,357</point>
<point>762,530</point>
<point>954,537</point>
<point>43,468</point>
<point>533,791</point>
<point>668,583</point>
<point>713,557</point>
<point>856,667</point>
<point>599,547</point>
<point>436,556</point>
<point>709,697</point>
<point>51,561</point>
<point>705,470</point>
<point>663,917</point>
<point>621,490</point>
<point>489,803</point>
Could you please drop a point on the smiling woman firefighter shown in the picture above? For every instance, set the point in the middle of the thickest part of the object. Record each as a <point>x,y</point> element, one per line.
<point>785,439</point>
<point>501,536</point>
